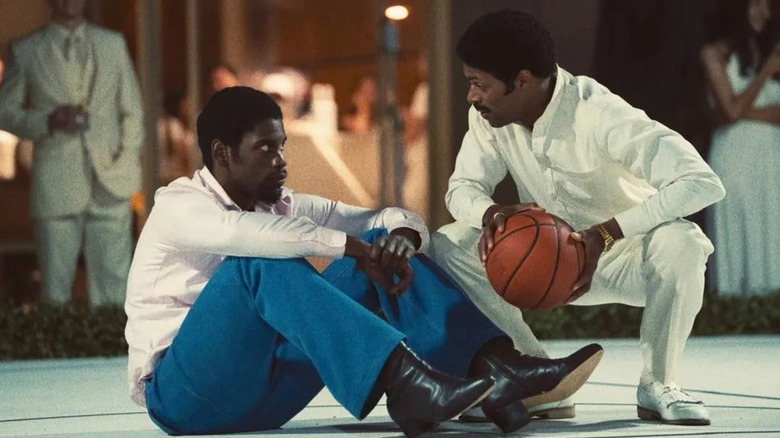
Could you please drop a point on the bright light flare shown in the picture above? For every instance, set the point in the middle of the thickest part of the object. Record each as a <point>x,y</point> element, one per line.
<point>397,12</point>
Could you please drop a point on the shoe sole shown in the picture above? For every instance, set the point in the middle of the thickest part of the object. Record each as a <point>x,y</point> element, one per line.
<point>545,414</point>
<point>477,401</point>
<point>650,415</point>
<point>568,385</point>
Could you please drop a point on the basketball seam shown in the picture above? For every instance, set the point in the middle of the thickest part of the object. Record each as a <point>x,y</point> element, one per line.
<point>528,253</point>
<point>555,269</point>
<point>519,229</point>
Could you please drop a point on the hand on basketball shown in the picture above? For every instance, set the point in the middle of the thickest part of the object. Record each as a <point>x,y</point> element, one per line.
<point>494,220</point>
<point>594,246</point>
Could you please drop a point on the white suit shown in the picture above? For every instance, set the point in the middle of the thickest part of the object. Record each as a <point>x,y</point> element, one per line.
<point>82,182</point>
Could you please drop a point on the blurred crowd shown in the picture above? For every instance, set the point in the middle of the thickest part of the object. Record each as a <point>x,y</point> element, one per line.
<point>42,118</point>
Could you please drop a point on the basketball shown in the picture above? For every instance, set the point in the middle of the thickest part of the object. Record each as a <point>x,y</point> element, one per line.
<point>534,263</point>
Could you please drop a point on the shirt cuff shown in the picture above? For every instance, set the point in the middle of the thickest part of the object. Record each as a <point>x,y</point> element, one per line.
<point>634,221</point>
<point>398,218</point>
<point>478,209</point>
<point>334,243</point>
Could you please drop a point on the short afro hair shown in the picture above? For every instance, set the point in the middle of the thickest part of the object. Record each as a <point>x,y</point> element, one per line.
<point>506,41</point>
<point>229,115</point>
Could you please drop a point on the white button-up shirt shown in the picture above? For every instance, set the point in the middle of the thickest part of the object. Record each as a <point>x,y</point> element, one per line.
<point>590,157</point>
<point>194,225</point>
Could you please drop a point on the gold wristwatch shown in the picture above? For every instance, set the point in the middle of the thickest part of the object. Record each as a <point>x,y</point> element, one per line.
<point>608,239</point>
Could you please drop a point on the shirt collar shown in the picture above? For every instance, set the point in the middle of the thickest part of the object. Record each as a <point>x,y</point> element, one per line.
<point>543,122</point>
<point>283,206</point>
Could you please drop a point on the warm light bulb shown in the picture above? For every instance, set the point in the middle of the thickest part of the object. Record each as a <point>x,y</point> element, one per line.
<point>397,12</point>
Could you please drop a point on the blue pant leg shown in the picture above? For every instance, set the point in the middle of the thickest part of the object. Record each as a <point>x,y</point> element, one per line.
<point>441,323</point>
<point>257,345</point>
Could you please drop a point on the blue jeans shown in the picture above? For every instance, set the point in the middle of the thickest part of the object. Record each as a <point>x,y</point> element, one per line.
<point>266,334</point>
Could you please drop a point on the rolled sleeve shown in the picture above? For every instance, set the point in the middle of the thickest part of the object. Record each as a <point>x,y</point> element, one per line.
<point>201,225</point>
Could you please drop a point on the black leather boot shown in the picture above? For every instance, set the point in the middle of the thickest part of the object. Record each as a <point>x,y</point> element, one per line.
<point>420,397</point>
<point>524,381</point>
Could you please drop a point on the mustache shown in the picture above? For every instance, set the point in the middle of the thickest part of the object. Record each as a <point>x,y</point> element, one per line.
<point>481,108</point>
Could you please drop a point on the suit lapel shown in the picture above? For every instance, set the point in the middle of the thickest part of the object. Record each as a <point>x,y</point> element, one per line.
<point>54,70</point>
<point>50,63</point>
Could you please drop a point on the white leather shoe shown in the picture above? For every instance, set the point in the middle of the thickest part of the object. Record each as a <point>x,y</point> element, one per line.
<point>670,404</point>
<point>556,410</point>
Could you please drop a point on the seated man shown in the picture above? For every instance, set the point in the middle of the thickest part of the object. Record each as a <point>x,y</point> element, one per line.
<point>230,330</point>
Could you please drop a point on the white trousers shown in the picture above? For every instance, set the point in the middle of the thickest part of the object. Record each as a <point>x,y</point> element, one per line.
<point>662,271</point>
<point>105,229</point>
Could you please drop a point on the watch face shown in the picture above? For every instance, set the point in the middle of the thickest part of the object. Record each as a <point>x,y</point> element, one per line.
<point>81,122</point>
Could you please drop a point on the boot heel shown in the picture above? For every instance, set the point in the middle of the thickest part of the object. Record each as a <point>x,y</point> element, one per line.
<point>414,429</point>
<point>510,417</point>
<point>647,414</point>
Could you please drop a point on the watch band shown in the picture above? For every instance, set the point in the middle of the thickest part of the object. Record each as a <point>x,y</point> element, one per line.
<point>608,239</point>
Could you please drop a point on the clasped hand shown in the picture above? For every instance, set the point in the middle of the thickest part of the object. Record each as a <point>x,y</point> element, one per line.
<point>386,258</point>
<point>64,118</point>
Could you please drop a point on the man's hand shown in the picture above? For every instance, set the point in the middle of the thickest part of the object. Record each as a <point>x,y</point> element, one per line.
<point>388,256</point>
<point>494,220</point>
<point>772,63</point>
<point>594,245</point>
<point>394,251</point>
<point>63,118</point>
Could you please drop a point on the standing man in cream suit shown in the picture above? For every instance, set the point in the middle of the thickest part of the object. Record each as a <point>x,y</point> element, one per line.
<point>71,88</point>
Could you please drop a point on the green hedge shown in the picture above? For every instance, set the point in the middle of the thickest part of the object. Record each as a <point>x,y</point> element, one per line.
<point>61,331</point>
<point>77,331</point>
<point>718,316</point>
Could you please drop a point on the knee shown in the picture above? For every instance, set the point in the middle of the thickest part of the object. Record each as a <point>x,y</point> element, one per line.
<point>678,248</point>
<point>452,239</point>
<point>252,269</point>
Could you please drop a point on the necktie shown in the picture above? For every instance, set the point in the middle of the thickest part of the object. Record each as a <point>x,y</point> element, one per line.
<point>71,47</point>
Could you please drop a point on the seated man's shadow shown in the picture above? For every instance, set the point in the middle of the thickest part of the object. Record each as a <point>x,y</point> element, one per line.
<point>460,429</point>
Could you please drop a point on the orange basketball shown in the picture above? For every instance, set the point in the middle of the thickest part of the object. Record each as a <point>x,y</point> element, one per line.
<point>534,263</point>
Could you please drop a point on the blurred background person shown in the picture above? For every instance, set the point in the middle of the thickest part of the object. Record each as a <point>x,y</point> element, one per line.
<point>70,87</point>
<point>223,76</point>
<point>290,89</point>
<point>175,136</point>
<point>743,76</point>
<point>8,143</point>
<point>361,116</point>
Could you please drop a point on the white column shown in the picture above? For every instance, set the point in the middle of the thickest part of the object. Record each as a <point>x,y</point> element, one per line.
<point>440,147</point>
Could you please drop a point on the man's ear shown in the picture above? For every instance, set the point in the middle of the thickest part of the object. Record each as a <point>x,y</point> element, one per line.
<point>523,78</point>
<point>219,151</point>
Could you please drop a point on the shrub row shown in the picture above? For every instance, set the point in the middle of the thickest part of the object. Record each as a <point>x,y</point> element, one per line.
<point>78,331</point>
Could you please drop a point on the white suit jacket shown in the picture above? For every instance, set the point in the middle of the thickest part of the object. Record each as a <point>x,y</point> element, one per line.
<point>36,82</point>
